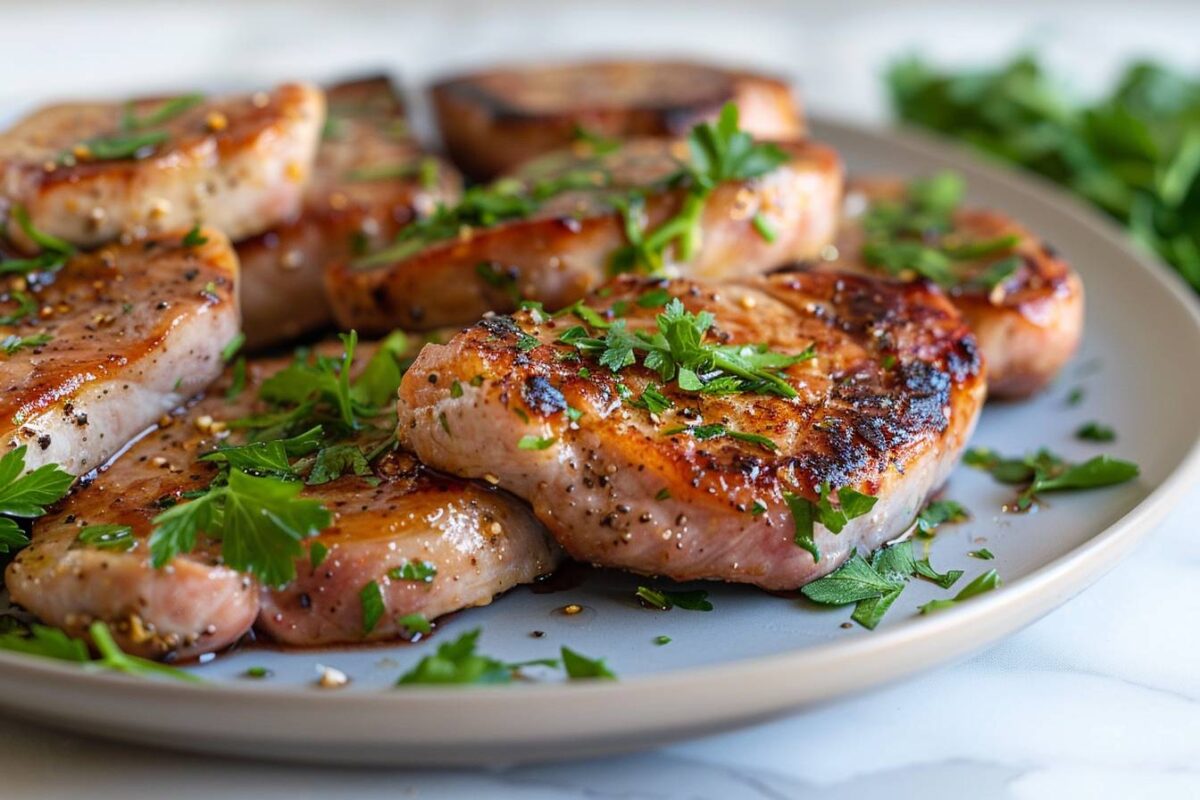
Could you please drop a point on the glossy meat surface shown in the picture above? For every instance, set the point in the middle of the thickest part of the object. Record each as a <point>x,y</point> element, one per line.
<point>235,163</point>
<point>566,246</point>
<point>494,120</point>
<point>134,331</point>
<point>1028,325</point>
<point>479,541</point>
<point>885,407</point>
<point>370,178</point>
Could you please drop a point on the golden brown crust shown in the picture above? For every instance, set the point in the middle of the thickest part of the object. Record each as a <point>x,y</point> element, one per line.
<point>884,408</point>
<point>565,248</point>
<point>492,121</point>
<point>370,179</point>
<point>1028,326</point>
<point>238,163</point>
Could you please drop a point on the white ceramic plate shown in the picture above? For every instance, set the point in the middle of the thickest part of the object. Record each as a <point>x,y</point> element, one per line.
<point>755,655</point>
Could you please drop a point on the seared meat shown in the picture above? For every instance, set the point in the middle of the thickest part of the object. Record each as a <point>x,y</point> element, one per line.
<point>1028,319</point>
<point>133,331</point>
<point>884,408</point>
<point>370,179</point>
<point>238,164</point>
<point>565,245</point>
<point>479,541</point>
<point>492,121</point>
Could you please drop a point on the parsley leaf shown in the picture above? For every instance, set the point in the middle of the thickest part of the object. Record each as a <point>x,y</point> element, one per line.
<point>531,442</point>
<point>371,597</point>
<point>664,600</point>
<point>27,495</point>
<point>107,537</point>
<point>47,642</point>
<point>983,583</point>
<point>335,461</point>
<point>939,512</point>
<point>457,662</point>
<point>12,343</point>
<point>260,522</point>
<point>716,431</point>
<point>1046,472</point>
<point>419,571</point>
<point>193,238</point>
<point>580,667</point>
<point>1095,432</point>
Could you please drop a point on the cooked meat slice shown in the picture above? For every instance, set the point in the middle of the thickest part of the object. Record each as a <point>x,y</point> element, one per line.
<point>432,544</point>
<point>554,250</point>
<point>693,485</point>
<point>492,121</point>
<point>129,332</point>
<point>370,178</point>
<point>91,172</point>
<point>1023,302</point>
<point>477,540</point>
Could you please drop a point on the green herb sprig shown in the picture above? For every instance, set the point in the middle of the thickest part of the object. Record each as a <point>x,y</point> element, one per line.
<point>1046,472</point>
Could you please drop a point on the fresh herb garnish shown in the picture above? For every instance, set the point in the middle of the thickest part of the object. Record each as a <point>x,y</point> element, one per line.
<point>939,512</point>
<point>166,111</point>
<point>12,344</point>
<point>983,583</point>
<point>1046,472</point>
<point>805,513</point>
<point>1134,152</point>
<point>259,521</point>
<point>415,623</point>
<point>661,640</point>
<point>317,554</point>
<point>193,238</point>
<point>232,347</point>
<point>27,308</point>
<point>371,598</point>
<point>47,642</point>
<point>983,554</point>
<point>1095,432</point>
<point>678,352</point>
<point>665,600</point>
<point>531,442</point>
<point>874,585</point>
<point>26,495</point>
<point>457,662</point>
<point>580,667</point>
<point>719,152</point>
<point>107,537</point>
<point>716,431</point>
<point>412,570</point>
<point>55,252</point>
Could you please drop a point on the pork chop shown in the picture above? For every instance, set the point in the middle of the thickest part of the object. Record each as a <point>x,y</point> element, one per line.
<point>711,471</point>
<point>370,178</point>
<point>492,121</point>
<point>1023,302</point>
<point>92,172</point>
<point>430,544</point>
<point>559,231</point>
<point>94,353</point>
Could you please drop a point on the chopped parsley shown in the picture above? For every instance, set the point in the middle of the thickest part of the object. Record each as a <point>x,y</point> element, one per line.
<point>664,600</point>
<point>1095,432</point>
<point>1046,472</point>
<point>13,344</point>
<point>983,583</point>
<point>531,442</point>
<point>47,642</point>
<point>107,537</point>
<point>25,495</point>
<point>805,513</point>
<point>916,234</point>
<point>678,352</point>
<point>413,570</point>
<point>27,308</point>
<point>415,623</point>
<point>983,554</point>
<point>194,238</point>
<point>874,585</point>
<point>371,598</point>
<point>939,512</point>
<point>716,431</point>
<point>661,640</point>
<point>232,347</point>
<point>580,667</point>
<point>458,662</point>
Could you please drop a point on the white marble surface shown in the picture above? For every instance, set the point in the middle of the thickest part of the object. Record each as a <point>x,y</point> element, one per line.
<point>1099,699</point>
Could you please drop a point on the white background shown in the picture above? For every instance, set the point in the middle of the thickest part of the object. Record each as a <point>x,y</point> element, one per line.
<point>1100,699</point>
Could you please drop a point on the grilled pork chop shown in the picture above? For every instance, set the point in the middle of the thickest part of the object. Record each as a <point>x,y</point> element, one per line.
<point>111,342</point>
<point>91,172</point>
<point>370,178</point>
<point>555,250</point>
<point>693,485</point>
<point>462,544</point>
<point>1023,303</point>
<point>492,121</point>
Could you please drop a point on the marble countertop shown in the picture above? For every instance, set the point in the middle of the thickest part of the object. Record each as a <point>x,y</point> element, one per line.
<point>1099,699</point>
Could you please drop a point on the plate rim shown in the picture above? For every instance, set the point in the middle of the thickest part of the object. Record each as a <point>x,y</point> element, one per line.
<point>943,637</point>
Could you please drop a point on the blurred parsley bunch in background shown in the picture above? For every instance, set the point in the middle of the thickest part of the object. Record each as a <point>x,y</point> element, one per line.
<point>1135,152</point>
